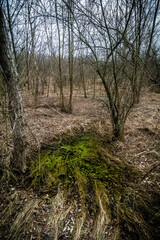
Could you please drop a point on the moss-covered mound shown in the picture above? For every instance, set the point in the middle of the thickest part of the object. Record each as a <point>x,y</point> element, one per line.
<point>83,158</point>
<point>107,187</point>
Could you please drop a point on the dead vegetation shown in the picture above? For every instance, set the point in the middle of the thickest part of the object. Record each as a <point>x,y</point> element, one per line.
<point>57,214</point>
<point>115,202</point>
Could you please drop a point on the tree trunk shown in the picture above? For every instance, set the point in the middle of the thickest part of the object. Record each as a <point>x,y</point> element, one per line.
<point>15,100</point>
<point>59,62</point>
<point>70,52</point>
<point>11,31</point>
<point>82,78</point>
<point>118,130</point>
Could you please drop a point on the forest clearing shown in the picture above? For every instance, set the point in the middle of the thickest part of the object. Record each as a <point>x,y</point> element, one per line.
<point>79,120</point>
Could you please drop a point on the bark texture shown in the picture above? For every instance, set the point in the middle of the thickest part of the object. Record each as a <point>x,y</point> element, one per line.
<point>8,67</point>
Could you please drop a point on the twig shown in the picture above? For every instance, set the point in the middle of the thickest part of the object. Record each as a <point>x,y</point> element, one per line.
<point>149,171</point>
<point>38,144</point>
<point>147,152</point>
<point>44,114</point>
<point>36,140</point>
<point>56,111</point>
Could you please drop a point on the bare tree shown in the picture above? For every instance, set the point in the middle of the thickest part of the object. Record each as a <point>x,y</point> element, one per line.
<point>15,100</point>
<point>70,51</point>
<point>102,41</point>
<point>112,31</point>
<point>59,60</point>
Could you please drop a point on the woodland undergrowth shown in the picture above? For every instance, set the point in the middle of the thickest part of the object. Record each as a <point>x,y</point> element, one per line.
<point>91,192</point>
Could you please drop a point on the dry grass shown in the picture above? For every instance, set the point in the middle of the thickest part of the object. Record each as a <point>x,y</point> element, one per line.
<point>47,123</point>
<point>142,128</point>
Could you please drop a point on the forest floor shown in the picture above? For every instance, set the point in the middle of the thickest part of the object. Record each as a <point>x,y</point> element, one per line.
<point>46,121</point>
<point>142,129</point>
<point>141,147</point>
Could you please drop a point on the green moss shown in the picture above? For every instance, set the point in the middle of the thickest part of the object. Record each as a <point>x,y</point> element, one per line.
<point>81,157</point>
<point>105,183</point>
